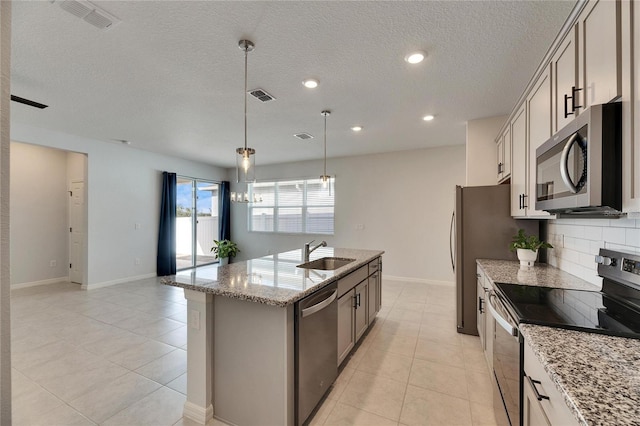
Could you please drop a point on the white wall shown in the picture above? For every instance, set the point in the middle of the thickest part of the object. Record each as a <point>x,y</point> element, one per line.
<point>481,157</point>
<point>39,225</point>
<point>123,188</point>
<point>403,199</point>
<point>577,241</point>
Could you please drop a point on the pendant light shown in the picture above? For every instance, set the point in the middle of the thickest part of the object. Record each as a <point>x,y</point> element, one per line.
<point>326,179</point>
<point>245,158</point>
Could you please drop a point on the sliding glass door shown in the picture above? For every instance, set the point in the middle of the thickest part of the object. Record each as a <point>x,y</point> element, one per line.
<point>196,221</point>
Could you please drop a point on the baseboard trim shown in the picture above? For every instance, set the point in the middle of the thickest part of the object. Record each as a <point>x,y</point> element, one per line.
<point>418,280</point>
<point>197,413</point>
<point>94,286</point>
<point>41,282</point>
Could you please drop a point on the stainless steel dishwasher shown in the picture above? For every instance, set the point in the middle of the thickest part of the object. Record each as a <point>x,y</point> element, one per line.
<point>316,346</point>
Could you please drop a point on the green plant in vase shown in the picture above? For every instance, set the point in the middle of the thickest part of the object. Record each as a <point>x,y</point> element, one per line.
<point>224,249</point>
<point>527,247</point>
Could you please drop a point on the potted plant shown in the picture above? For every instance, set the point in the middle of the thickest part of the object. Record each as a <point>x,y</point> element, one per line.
<point>527,247</point>
<point>224,249</point>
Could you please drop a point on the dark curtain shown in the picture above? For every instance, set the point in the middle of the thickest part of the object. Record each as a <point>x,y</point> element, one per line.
<point>225,212</point>
<point>166,264</point>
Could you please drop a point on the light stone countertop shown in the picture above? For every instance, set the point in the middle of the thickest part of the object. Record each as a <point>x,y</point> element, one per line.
<point>273,280</point>
<point>543,275</point>
<point>598,375</point>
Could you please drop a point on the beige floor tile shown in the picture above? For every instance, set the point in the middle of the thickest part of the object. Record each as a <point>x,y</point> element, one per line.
<point>136,356</point>
<point>439,377</point>
<point>101,403</point>
<point>188,422</point>
<point>158,327</point>
<point>395,343</point>
<point>475,361</point>
<point>139,319</point>
<point>160,408</point>
<point>375,394</point>
<point>25,361</point>
<point>179,384</point>
<point>482,415</point>
<point>341,383</point>
<point>322,413</point>
<point>471,343</point>
<point>480,387</point>
<point>62,416</point>
<point>398,313</point>
<point>177,337</point>
<point>386,364</point>
<point>440,309</point>
<point>443,335</point>
<point>115,345</point>
<point>30,401</point>
<point>166,368</point>
<point>345,415</point>
<point>426,407</point>
<point>443,353</point>
<point>399,327</point>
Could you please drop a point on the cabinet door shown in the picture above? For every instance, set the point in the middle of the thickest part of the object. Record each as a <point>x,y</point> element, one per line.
<point>519,156</point>
<point>372,297</point>
<point>506,154</point>
<point>565,73</point>
<point>539,126</point>
<point>480,312</point>
<point>346,331</point>
<point>362,318</point>
<point>601,54</point>
<point>533,413</point>
<point>631,107</point>
<point>500,157</point>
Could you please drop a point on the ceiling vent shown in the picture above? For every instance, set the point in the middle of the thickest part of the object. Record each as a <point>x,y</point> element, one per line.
<point>261,95</point>
<point>90,13</point>
<point>304,136</point>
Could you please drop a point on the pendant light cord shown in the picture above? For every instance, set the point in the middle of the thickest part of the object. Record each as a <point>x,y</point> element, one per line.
<point>246,54</point>
<point>325,144</point>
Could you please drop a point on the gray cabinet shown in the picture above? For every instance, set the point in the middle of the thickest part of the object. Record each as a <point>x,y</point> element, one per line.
<point>360,306</point>
<point>359,301</point>
<point>346,328</point>
<point>480,313</point>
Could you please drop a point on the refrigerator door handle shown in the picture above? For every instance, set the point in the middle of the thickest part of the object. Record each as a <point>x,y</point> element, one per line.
<point>452,235</point>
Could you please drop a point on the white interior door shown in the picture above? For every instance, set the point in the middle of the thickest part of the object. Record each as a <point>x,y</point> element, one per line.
<point>76,232</point>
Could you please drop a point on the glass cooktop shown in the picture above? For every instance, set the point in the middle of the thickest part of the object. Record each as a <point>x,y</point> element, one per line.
<point>582,310</point>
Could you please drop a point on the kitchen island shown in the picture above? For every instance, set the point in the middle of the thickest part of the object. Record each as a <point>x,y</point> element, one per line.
<point>240,334</point>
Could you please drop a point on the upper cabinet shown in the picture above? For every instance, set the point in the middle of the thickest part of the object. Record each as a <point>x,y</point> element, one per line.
<point>600,52</point>
<point>565,82</point>
<point>519,173</point>
<point>630,106</point>
<point>504,155</point>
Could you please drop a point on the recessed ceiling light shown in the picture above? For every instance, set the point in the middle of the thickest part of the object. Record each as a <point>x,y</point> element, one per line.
<point>356,128</point>
<point>311,83</point>
<point>415,57</point>
<point>428,117</point>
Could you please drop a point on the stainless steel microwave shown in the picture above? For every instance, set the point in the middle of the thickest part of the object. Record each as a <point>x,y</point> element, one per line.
<point>579,170</point>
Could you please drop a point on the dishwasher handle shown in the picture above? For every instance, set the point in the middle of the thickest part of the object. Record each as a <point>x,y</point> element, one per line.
<point>320,305</point>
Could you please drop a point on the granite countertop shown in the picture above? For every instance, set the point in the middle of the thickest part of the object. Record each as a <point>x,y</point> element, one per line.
<point>543,275</point>
<point>598,375</point>
<point>273,280</point>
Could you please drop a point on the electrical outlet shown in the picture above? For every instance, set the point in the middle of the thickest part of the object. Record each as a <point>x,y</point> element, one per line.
<point>194,319</point>
<point>137,261</point>
<point>359,226</point>
<point>137,226</point>
<point>53,263</point>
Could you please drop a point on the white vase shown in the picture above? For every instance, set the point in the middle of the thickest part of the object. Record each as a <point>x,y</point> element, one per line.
<point>224,261</point>
<point>527,257</point>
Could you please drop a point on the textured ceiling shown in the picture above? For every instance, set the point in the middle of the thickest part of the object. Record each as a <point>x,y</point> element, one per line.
<point>169,77</point>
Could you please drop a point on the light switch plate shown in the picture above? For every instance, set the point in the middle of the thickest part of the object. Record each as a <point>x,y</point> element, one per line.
<point>194,319</point>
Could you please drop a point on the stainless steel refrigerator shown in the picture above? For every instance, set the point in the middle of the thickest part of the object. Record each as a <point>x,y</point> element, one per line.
<point>481,228</point>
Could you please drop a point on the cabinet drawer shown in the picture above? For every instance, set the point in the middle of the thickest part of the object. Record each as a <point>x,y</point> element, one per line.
<point>374,266</point>
<point>555,409</point>
<point>353,279</point>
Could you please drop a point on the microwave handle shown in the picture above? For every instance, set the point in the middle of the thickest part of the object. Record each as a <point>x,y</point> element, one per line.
<point>564,164</point>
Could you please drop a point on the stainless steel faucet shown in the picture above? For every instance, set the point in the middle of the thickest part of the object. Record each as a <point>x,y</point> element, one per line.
<point>308,251</point>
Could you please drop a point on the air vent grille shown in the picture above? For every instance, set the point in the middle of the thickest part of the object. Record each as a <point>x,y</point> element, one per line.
<point>90,13</point>
<point>303,136</point>
<point>261,95</point>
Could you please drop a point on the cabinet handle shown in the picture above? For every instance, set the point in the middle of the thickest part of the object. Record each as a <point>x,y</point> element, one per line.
<point>574,91</point>
<point>524,196</point>
<point>533,384</point>
<point>480,307</point>
<point>566,112</point>
<point>500,170</point>
<point>355,301</point>
<point>477,275</point>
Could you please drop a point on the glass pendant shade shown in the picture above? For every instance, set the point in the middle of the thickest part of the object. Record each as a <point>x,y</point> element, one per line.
<point>246,165</point>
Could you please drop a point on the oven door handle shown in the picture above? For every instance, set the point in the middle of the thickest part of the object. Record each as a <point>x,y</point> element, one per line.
<point>504,323</point>
<point>564,164</point>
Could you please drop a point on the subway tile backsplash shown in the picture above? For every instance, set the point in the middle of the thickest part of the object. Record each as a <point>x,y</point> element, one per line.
<point>577,241</point>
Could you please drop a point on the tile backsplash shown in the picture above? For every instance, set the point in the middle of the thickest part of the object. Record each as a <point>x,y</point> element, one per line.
<point>577,241</point>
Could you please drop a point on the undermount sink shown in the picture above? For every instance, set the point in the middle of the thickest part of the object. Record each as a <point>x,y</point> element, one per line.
<point>327,263</point>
